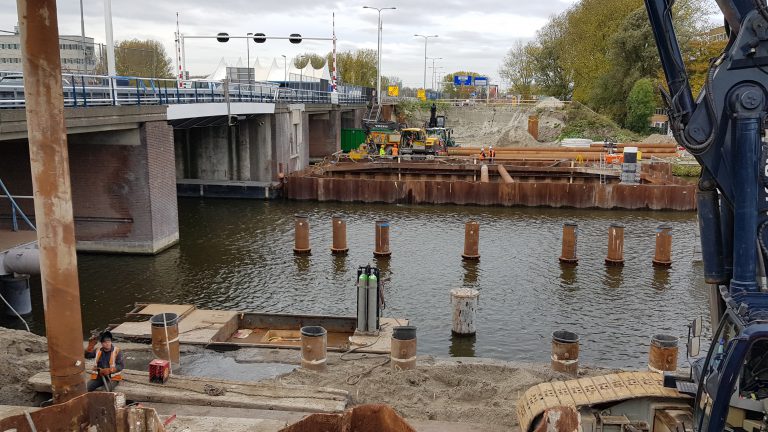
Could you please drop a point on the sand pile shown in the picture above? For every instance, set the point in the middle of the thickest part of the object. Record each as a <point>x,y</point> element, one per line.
<point>466,390</point>
<point>22,355</point>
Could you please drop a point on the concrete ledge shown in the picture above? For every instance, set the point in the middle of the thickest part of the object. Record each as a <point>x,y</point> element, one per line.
<point>228,189</point>
<point>13,122</point>
<point>128,247</point>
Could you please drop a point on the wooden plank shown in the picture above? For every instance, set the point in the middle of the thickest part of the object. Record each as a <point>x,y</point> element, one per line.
<point>619,386</point>
<point>549,395</point>
<point>190,391</point>
<point>562,393</point>
<point>158,308</point>
<point>604,388</point>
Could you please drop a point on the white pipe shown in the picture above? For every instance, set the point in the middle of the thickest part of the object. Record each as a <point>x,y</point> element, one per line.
<point>21,261</point>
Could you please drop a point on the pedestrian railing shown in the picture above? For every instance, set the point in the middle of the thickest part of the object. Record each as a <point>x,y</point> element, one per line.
<point>99,90</point>
<point>16,211</point>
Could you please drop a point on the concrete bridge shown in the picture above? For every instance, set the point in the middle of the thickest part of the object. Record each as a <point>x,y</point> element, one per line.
<point>129,162</point>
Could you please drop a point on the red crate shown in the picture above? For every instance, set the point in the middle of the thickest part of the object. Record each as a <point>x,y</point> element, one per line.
<point>159,370</point>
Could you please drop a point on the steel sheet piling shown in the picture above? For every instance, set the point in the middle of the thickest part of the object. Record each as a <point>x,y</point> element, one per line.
<point>471,241</point>
<point>339,246</point>
<point>49,160</point>
<point>301,235</point>
<point>615,246</point>
<point>382,239</point>
<point>663,255</point>
<point>533,126</point>
<point>570,234</point>
<point>565,352</point>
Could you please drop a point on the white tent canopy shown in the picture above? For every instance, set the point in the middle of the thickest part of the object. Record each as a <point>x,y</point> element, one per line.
<point>274,70</point>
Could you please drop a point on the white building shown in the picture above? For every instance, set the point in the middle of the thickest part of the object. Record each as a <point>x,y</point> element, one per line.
<point>73,58</point>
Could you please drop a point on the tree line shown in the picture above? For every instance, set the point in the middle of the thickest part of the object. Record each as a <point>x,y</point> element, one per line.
<point>602,53</point>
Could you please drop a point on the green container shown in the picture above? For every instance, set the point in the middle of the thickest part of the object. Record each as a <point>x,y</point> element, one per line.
<point>351,139</point>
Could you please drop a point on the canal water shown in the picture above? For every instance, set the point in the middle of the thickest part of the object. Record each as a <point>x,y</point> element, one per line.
<point>237,254</point>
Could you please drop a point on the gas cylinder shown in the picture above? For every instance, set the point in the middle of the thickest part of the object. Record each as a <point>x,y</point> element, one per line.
<point>362,302</point>
<point>373,302</point>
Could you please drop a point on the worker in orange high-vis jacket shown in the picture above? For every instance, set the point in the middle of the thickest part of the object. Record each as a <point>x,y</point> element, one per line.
<point>108,370</point>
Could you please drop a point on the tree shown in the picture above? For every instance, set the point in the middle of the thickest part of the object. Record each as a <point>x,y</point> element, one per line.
<point>356,67</point>
<point>142,58</point>
<point>317,61</point>
<point>518,68</point>
<point>551,76</point>
<point>451,91</point>
<point>640,106</point>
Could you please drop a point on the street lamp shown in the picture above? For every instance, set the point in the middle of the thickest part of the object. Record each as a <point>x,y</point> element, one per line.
<point>433,69</point>
<point>248,55</point>
<point>378,66</point>
<point>285,69</point>
<point>426,38</point>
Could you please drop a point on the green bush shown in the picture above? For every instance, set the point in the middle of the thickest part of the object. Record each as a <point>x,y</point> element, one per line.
<point>640,106</point>
<point>582,122</point>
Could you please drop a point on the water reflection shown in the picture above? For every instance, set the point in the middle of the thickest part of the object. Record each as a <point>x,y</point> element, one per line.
<point>471,270</point>
<point>613,276</point>
<point>339,264</point>
<point>302,263</point>
<point>567,276</point>
<point>660,279</point>
<point>462,346</point>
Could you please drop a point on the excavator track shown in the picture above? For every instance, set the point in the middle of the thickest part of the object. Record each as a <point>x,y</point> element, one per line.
<point>590,391</point>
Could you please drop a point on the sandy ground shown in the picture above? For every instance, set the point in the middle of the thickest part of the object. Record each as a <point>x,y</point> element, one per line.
<point>466,390</point>
<point>503,126</point>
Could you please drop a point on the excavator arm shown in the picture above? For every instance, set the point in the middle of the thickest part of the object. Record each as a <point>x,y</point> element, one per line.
<point>723,129</point>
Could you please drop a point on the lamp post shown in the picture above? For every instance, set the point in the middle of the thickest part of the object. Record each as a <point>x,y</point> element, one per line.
<point>433,69</point>
<point>248,55</point>
<point>378,52</point>
<point>426,38</point>
<point>285,69</point>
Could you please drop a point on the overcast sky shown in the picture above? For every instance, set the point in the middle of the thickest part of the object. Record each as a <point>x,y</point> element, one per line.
<point>473,35</point>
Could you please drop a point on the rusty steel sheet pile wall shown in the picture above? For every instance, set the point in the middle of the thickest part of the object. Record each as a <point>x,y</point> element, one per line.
<point>533,194</point>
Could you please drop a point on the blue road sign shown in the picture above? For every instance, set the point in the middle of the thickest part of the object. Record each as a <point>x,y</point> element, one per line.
<point>481,81</point>
<point>460,80</point>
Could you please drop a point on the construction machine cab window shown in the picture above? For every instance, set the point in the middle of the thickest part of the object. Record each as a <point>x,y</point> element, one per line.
<point>754,378</point>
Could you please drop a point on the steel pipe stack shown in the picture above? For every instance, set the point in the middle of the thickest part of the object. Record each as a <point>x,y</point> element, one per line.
<point>663,255</point>
<point>382,239</point>
<point>615,246</point>
<point>471,241</point>
<point>339,246</point>
<point>301,236</point>
<point>570,234</point>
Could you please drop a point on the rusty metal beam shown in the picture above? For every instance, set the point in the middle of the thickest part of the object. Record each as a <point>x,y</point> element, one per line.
<point>49,160</point>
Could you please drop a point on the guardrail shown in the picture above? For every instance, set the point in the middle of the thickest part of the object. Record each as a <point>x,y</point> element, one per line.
<point>99,90</point>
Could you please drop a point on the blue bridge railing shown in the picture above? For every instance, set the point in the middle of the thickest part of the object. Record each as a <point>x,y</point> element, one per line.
<point>99,90</point>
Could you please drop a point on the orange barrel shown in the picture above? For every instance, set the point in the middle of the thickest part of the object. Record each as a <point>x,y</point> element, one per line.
<point>301,237</point>
<point>533,126</point>
<point>615,245</point>
<point>314,342</point>
<point>165,337</point>
<point>570,234</point>
<point>382,239</point>
<point>403,350</point>
<point>662,356</point>
<point>471,241</point>
<point>565,352</point>
<point>339,245</point>
<point>663,256</point>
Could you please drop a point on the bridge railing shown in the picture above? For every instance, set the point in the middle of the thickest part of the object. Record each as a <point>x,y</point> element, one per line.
<point>99,90</point>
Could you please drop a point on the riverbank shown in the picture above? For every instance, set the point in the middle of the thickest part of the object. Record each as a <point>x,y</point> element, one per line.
<point>457,390</point>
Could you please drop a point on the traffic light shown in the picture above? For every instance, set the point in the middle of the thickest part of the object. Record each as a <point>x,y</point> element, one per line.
<point>259,37</point>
